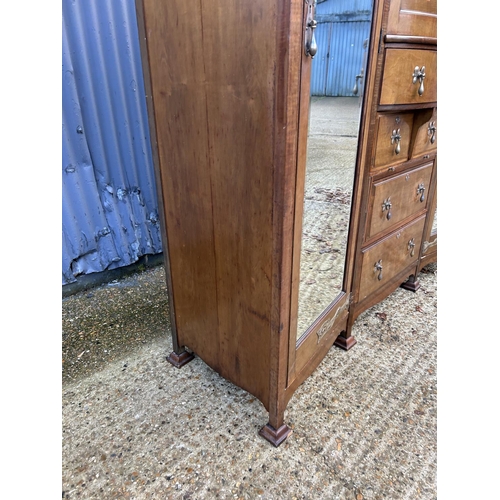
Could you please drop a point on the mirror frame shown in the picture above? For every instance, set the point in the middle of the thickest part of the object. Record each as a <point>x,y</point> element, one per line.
<point>329,323</point>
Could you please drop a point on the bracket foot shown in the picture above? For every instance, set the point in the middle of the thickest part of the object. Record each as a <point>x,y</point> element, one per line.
<point>413,284</point>
<point>345,343</point>
<point>179,360</point>
<point>275,436</point>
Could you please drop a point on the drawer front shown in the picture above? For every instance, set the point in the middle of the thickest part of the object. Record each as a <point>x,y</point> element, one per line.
<point>425,134</point>
<point>397,198</point>
<point>413,18</point>
<point>384,260</point>
<point>392,139</point>
<point>409,77</point>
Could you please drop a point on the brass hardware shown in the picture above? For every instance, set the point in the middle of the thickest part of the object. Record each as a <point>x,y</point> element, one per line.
<point>396,138</point>
<point>411,247</point>
<point>419,75</point>
<point>420,191</point>
<point>428,245</point>
<point>387,205</point>
<point>330,322</point>
<point>391,169</point>
<point>310,40</point>
<point>407,177</point>
<point>432,131</point>
<point>378,267</point>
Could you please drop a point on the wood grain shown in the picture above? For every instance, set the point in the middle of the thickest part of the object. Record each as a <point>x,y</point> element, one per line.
<point>393,252</point>
<point>413,17</point>
<point>421,138</point>
<point>402,191</point>
<point>398,86</point>
<point>385,149</point>
<point>215,99</point>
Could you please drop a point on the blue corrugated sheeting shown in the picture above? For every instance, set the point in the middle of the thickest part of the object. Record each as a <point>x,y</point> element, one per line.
<point>110,209</point>
<point>343,25</point>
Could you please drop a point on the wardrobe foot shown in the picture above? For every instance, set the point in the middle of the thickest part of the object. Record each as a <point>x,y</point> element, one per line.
<point>413,284</point>
<point>275,436</point>
<point>179,360</point>
<point>345,343</point>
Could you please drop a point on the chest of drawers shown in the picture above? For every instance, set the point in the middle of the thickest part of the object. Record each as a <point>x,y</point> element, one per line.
<point>397,233</point>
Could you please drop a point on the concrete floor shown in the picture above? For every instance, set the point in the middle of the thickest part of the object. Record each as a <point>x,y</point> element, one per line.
<point>331,161</point>
<point>135,427</point>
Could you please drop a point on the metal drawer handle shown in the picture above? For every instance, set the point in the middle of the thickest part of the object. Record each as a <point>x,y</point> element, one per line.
<point>310,40</point>
<point>419,75</point>
<point>396,138</point>
<point>421,191</point>
<point>411,247</point>
<point>378,267</point>
<point>431,130</point>
<point>387,205</point>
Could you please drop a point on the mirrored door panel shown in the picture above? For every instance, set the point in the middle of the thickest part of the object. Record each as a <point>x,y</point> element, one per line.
<point>337,79</point>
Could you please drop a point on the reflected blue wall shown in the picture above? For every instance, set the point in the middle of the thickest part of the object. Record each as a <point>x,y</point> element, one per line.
<point>343,26</point>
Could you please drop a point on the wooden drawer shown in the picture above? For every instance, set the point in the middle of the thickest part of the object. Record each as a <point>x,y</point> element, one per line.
<point>395,198</point>
<point>400,86</point>
<point>392,141</point>
<point>424,133</point>
<point>412,18</point>
<point>390,256</point>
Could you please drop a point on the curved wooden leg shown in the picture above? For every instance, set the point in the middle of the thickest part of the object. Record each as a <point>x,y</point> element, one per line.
<point>413,284</point>
<point>181,358</point>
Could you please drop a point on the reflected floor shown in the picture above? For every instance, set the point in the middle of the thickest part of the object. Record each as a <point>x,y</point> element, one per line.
<point>331,155</point>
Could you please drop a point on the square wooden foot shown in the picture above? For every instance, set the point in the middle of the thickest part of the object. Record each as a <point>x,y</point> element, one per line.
<point>179,360</point>
<point>275,436</point>
<point>412,284</point>
<point>345,343</point>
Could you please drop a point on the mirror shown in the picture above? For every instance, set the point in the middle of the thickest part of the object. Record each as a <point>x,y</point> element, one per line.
<point>335,109</point>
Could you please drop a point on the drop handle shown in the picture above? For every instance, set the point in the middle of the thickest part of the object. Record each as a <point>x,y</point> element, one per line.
<point>396,138</point>
<point>310,45</point>
<point>418,76</point>
<point>386,206</point>
<point>421,191</point>
<point>378,268</point>
<point>431,130</point>
<point>411,247</point>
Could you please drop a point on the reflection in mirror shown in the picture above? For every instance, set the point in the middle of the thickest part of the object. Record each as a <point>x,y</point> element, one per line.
<point>335,109</point>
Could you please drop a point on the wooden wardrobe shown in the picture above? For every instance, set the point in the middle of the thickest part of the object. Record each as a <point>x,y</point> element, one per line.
<point>286,214</point>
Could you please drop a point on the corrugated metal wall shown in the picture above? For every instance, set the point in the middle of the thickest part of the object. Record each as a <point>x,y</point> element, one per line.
<point>343,25</point>
<point>110,210</point>
<point>110,214</point>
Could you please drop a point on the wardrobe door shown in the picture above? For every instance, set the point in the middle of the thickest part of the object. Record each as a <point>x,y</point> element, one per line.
<point>336,49</point>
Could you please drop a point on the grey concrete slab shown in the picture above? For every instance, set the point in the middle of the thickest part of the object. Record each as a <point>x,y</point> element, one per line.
<point>133,426</point>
